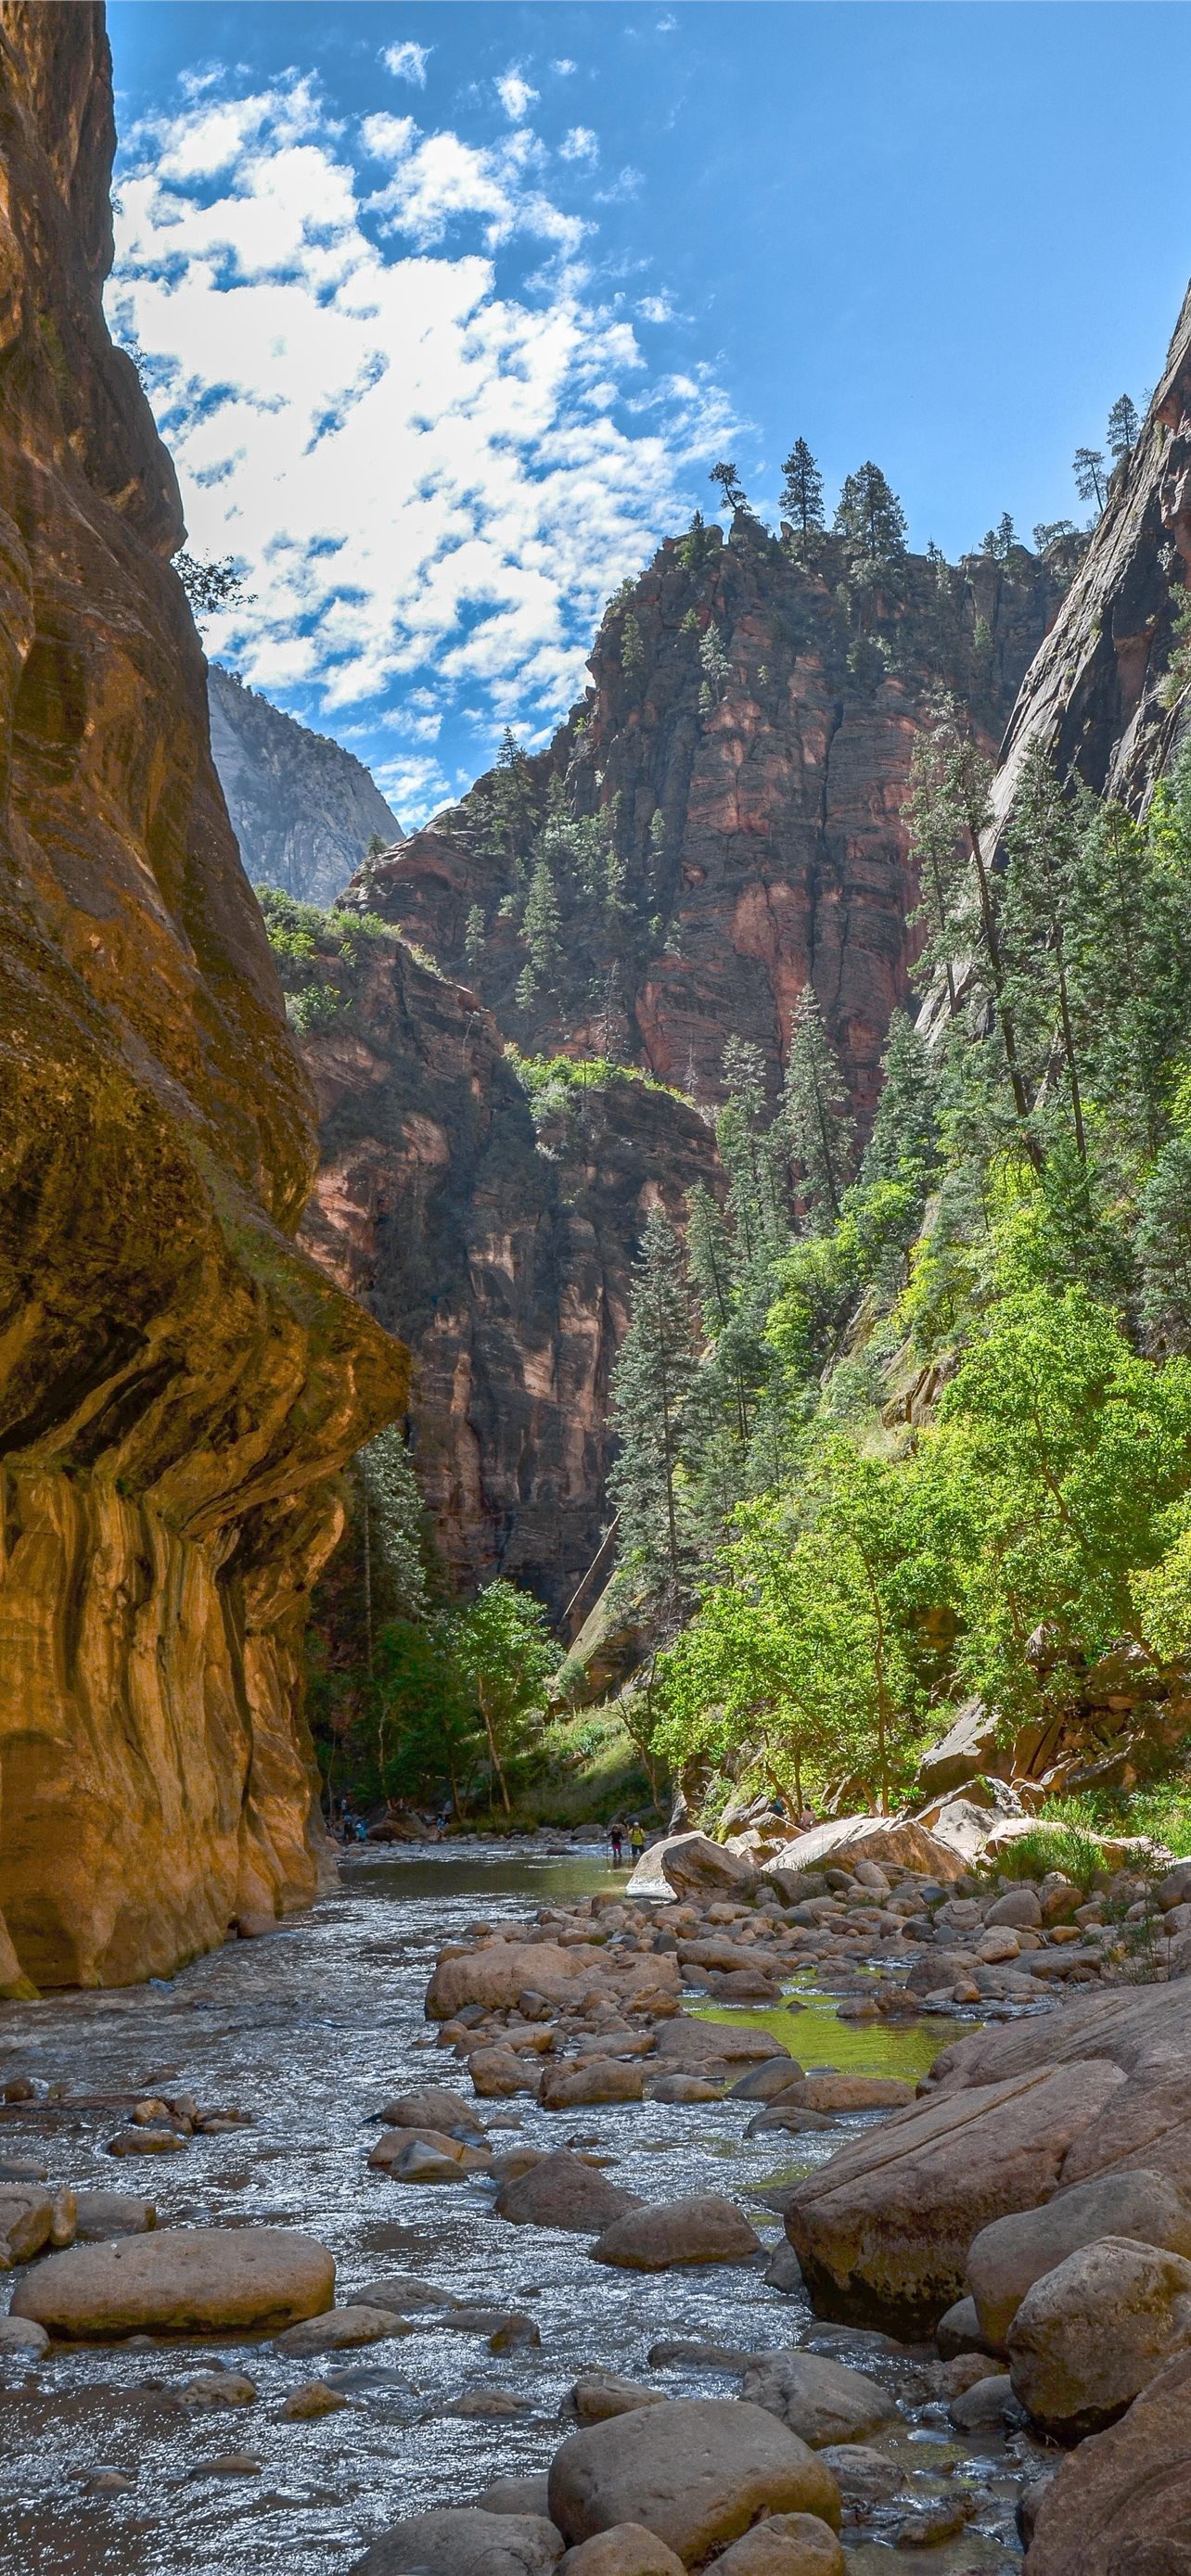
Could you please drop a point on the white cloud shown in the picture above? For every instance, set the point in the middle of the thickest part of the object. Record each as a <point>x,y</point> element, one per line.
<point>666,26</point>
<point>656,308</point>
<point>564,67</point>
<point>627,183</point>
<point>579,144</point>
<point>407,62</point>
<point>515,94</point>
<point>432,479</point>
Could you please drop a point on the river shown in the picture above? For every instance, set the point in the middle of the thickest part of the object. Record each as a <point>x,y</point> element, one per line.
<point>309,2032</point>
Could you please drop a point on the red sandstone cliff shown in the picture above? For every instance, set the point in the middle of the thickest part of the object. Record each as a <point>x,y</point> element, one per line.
<point>177,1381</point>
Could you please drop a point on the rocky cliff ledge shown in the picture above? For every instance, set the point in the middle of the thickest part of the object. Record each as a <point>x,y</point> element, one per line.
<point>720,819</point>
<point>497,1238</point>
<point>176,1379</point>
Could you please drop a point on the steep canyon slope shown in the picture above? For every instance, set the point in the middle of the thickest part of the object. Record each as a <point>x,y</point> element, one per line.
<point>303,808</point>
<point>177,1380</point>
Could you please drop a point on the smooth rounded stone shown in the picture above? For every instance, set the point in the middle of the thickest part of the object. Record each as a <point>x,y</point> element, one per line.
<point>22,2169</point>
<point>1120,2505</point>
<point>230,2464</point>
<point>306,2405</point>
<point>598,2079</point>
<point>1020,1906</point>
<point>601,2394</point>
<point>26,2217</point>
<point>966,2369</point>
<point>761,2083</point>
<point>21,2334</point>
<point>942,2518</point>
<point>101,2214</point>
<point>517,2495</point>
<point>692,1865</point>
<point>742,1986</point>
<point>435,2107</point>
<point>208,2389</point>
<point>882,2230</point>
<point>789,2116</point>
<point>820,2400</point>
<point>421,2163</point>
<point>193,2280</point>
<point>698,2472</point>
<point>684,2088</point>
<point>684,2351</point>
<point>340,2330</point>
<point>146,2142</point>
<point>984,2403</point>
<point>839,2092</point>
<point>103,2482</point>
<point>1006,2259</point>
<point>627,2550</point>
<point>404,2293</point>
<point>519,2160</point>
<point>464,2542</point>
<point>486,2404</point>
<point>651,2238</point>
<point>499,2073</point>
<point>562,2191</point>
<point>701,2047</point>
<point>1091,2334</point>
<point>785,2544</point>
<point>959,2330</point>
<point>395,2148</point>
<point>515,2333</point>
<point>864,2477</point>
<point>783,2270</point>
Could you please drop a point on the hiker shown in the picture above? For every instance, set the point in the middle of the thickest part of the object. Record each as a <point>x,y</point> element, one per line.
<point>616,1839</point>
<point>806,1820</point>
<point>636,1838</point>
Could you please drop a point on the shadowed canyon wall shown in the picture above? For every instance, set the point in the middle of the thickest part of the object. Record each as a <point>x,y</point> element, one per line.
<point>177,1381</point>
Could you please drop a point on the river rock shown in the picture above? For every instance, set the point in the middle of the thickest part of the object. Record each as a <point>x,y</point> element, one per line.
<point>340,2330</point>
<point>1094,2331</point>
<point>1120,2504</point>
<point>20,2334</point>
<point>787,2115</point>
<point>498,1972</point>
<point>561,2191</point>
<point>783,2271</point>
<point>684,2088</point>
<point>307,2405</point>
<point>26,2217</point>
<point>601,2394</point>
<point>1007,2258</point>
<point>100,2214</point>
<point>464,2542</point>
<point>147,2142</point>
<point>984,2402</point>
<point>598,2079</point>
<point>405,2292</point>
<point>517,2495</point>
<point>850,2093</point>
<point>959,2330</point>
<point>864,2477</point>
<point>691,1865</point>
<point>698,2472</point>
<point>882,2231</point>
<point>627,2550</point>
<point>435,2108</point>
<point>764,2082</point>
<point>699,2047</point>
<point>661,2233</point>
<point>847,1839</point>
<point>820,2400</point>
<point>193,2280</point>
<point>785,2544</point>
<point>499,2073</point>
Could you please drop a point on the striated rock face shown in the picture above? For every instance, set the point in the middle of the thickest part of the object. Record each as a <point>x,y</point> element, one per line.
<point>302,808</point>
<point>176,1379</point>
<point>718,834</point>
<point>1094,694</point>
<point>499,1251</point>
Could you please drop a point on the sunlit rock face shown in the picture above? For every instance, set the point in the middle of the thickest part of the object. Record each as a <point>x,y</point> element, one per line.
<point>499,1251</point>
<point>750,808</point>
<point>177,1381</point>
<point>302,808</point>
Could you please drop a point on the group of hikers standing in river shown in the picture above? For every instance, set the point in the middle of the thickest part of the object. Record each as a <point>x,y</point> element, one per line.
<point>616,1841</point>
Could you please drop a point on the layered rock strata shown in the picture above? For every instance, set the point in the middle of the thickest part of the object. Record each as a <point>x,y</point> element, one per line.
<point>177,1381</point>
<point>497,1239</point>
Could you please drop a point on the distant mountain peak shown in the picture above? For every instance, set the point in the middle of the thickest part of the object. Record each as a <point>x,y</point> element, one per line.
<point>303,808</point>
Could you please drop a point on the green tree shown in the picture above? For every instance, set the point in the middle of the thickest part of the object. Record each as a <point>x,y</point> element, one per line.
<point>501,1647</point>
<point>211,588</point>
<point>475,935</point>
<point>651,1388</point>
<point>1123,427</point>
<point>1088,469</point>
<point>1163,1246</point>
<point>715,668</point>
<point>632,650</point>
<point>816,1120</point>
<point>1037,900</point>
<point>541,930</point>
<point>870,519</point>
<point>512,802</point>
<point>802,494</point>
<point>730,485</point>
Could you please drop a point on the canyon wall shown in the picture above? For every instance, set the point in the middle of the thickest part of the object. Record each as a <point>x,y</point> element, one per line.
<point>303,808</point>
<point>178,1382</point>
<point>497,1239</point>
<point>721,819</point>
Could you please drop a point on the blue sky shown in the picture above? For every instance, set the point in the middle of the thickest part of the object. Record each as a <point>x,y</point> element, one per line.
<point>446,310</point>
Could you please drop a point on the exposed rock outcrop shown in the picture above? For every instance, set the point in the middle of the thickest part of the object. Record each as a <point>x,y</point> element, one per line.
<point>303,808</point>
<point>176,1379</point>
<point>499,1243</point>
<point>721,830</point>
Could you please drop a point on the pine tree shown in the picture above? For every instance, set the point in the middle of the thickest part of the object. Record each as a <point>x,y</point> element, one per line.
<point>651,1388</point>
<point>715,666</point>
<point>474,934</point>
<point>730,485</point>
<point>513,801</point>
<point>1163,1246</point>
<point>815,1117</point>
<point>1123,426</point>
<point>1088,469</point>
<point>871,520</point>
<point>542,924</point>
<point>802,494</point>
<point>905,1132</point>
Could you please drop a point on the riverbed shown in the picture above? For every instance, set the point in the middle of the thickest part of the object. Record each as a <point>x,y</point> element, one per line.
<point>309,2032</point>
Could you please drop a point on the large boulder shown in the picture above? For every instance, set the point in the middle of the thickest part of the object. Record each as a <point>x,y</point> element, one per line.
<point>1006,2259</point>
<point>663,2233</point>
<point>100,2214</point>
<point>849,1839</point>
<point>180,2280</point>
<point>967,1748</point>
<point>1092,2333</point>
<point>819,2399</point>
<point>692,1865</point>
<point>596,2079</point>
<point>26,2218</point>
<point>882,2230</point>
<point>1121,2503</point>
<point>561,2191</point>
<point>464,2542</point>
<point>714,2047</point>
<point>497,1972</point>
<point>435,2108</point>
<point>698,2472</point>
<point>785,2544</point>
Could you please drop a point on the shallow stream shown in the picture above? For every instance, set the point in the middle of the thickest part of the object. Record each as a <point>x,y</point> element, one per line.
<point>310,2032</point>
